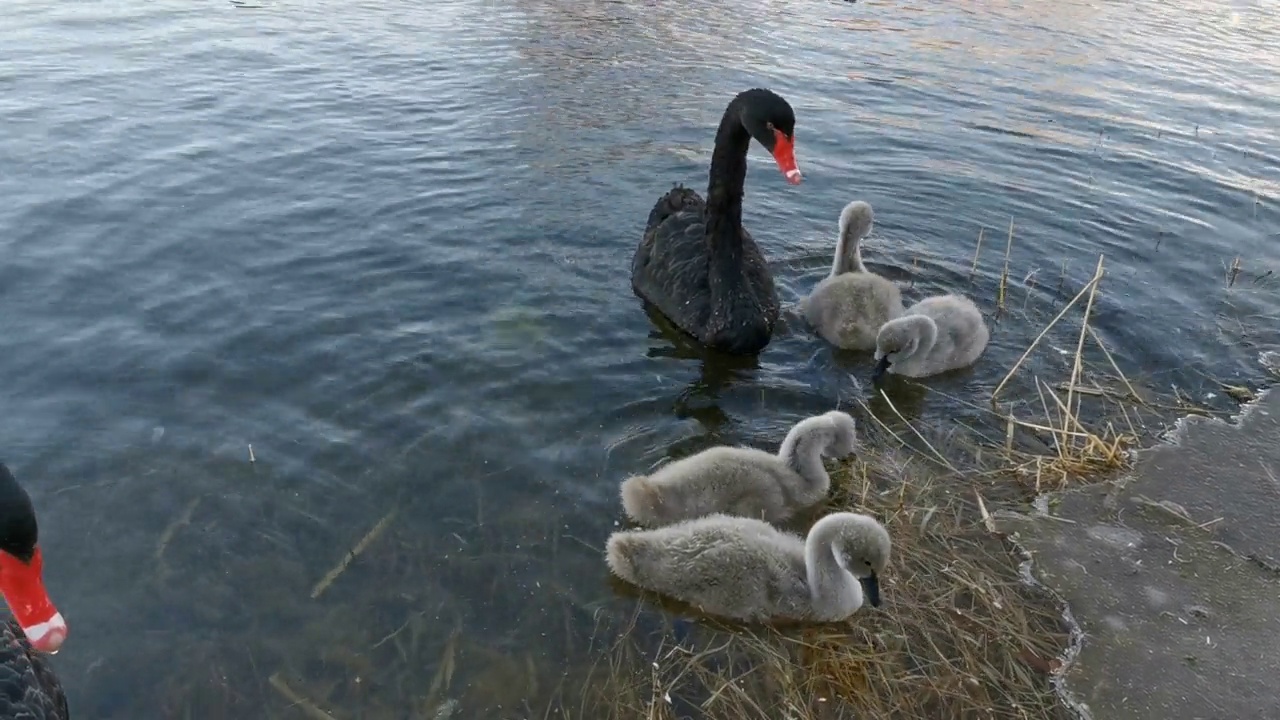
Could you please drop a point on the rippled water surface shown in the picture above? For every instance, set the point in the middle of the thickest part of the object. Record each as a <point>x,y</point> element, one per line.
<point>387,245</point>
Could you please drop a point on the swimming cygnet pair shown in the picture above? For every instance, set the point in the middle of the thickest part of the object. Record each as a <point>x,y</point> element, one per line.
<point>851,304</point>
<point>746,569</point>
<point>744,481</point>
<point>937,334</point>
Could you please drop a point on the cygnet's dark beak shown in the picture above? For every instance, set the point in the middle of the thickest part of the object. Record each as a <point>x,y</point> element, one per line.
<point>871,589</point>
<point>881,367</point>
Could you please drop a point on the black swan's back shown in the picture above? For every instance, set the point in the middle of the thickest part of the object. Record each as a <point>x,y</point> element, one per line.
<point>679,199</point>
<point>28,686</point>
<point>671,262</point>
<point>671,270</point>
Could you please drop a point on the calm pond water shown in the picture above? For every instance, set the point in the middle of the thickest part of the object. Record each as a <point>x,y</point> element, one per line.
<point>387,244</point>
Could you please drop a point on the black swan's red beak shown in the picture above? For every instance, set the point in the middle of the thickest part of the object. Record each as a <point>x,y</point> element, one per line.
<point>23,588</point>
<point>784,152</point>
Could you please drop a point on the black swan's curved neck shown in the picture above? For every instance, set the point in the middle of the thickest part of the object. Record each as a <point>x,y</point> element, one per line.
<point>728,175</point>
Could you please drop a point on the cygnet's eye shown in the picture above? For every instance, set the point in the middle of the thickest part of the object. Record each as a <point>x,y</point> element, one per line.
<point>867,563</point>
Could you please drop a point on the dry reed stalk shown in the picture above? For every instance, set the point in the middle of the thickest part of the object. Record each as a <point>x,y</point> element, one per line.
<point>352,554</point>
<point>183,519</point>
<point>976,251</point>
<point>309,708</point>
<point>1088,286</point>
<point>1004,274</point>
<point>937,456</point>
<point>1078,450</point>
<point>1077,363</point>
<point>1233,272</point>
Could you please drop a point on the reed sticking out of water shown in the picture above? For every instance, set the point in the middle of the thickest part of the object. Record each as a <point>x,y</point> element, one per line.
<point>1233,272</point>
<point>1004,273</point>
<point>976,251</point>
<point>1079,450</point>
<point>352,554</point>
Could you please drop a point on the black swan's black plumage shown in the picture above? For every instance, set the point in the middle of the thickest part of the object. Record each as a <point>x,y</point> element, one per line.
<point>696,263</point>
<point>29,689</point>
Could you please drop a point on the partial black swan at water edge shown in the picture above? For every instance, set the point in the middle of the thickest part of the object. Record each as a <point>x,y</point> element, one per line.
<point>28,686</point>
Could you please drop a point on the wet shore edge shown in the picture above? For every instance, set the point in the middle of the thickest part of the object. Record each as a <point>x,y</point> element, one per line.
<point>1168,576</point>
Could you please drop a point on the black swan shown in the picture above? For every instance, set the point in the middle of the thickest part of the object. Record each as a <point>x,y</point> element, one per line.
<point>28,686</point>
<point>697,264</point>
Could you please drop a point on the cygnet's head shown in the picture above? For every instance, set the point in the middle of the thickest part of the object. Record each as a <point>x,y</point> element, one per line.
<point>844,434</point>
<point>856,219</point>
<point>901,338</point>
<point>832,434</point>
<point>862,546</point>
<point>855,224</point>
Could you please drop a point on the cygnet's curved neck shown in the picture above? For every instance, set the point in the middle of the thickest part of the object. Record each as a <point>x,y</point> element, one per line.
<point>834,591</point>
<point>848,250</point>
<point>802,451</point>
<point>925,331</point>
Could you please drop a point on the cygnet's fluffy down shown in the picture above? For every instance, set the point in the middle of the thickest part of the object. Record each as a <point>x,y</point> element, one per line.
<point>744,481</point>
<point>935,335</point>
<point>848,306</point>
<point>746,569</point>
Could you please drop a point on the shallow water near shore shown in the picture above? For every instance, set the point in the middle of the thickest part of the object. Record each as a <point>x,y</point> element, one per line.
<point>388,246</point>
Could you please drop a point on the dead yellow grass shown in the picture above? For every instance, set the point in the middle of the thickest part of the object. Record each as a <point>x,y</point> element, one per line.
<point>1080,448</point>
<point>959,635</point>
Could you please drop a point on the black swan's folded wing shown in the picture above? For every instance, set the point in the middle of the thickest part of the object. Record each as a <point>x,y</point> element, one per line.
<point>677,200</point>
<point>670,267</point>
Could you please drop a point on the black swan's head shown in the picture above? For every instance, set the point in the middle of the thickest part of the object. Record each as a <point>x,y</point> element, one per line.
<point>771,121</point>
<point>21,579</point>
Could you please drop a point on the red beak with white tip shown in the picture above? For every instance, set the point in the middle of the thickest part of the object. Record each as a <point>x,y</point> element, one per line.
<point>784,153</point>
<point>22,585</point>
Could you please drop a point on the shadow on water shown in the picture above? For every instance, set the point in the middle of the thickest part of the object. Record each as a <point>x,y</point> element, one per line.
<point>716,371</point>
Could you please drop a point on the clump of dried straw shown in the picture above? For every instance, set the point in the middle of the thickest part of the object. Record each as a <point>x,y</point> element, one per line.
<point>1079,448</point>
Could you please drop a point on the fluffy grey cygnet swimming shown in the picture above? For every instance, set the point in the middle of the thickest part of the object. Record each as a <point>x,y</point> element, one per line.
<point>746,569</point>
<point>937,334</point>
<point>848,306</point>
<point>744,481</point>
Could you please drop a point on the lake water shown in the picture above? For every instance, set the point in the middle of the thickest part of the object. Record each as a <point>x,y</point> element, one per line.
<point>387,245</point>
